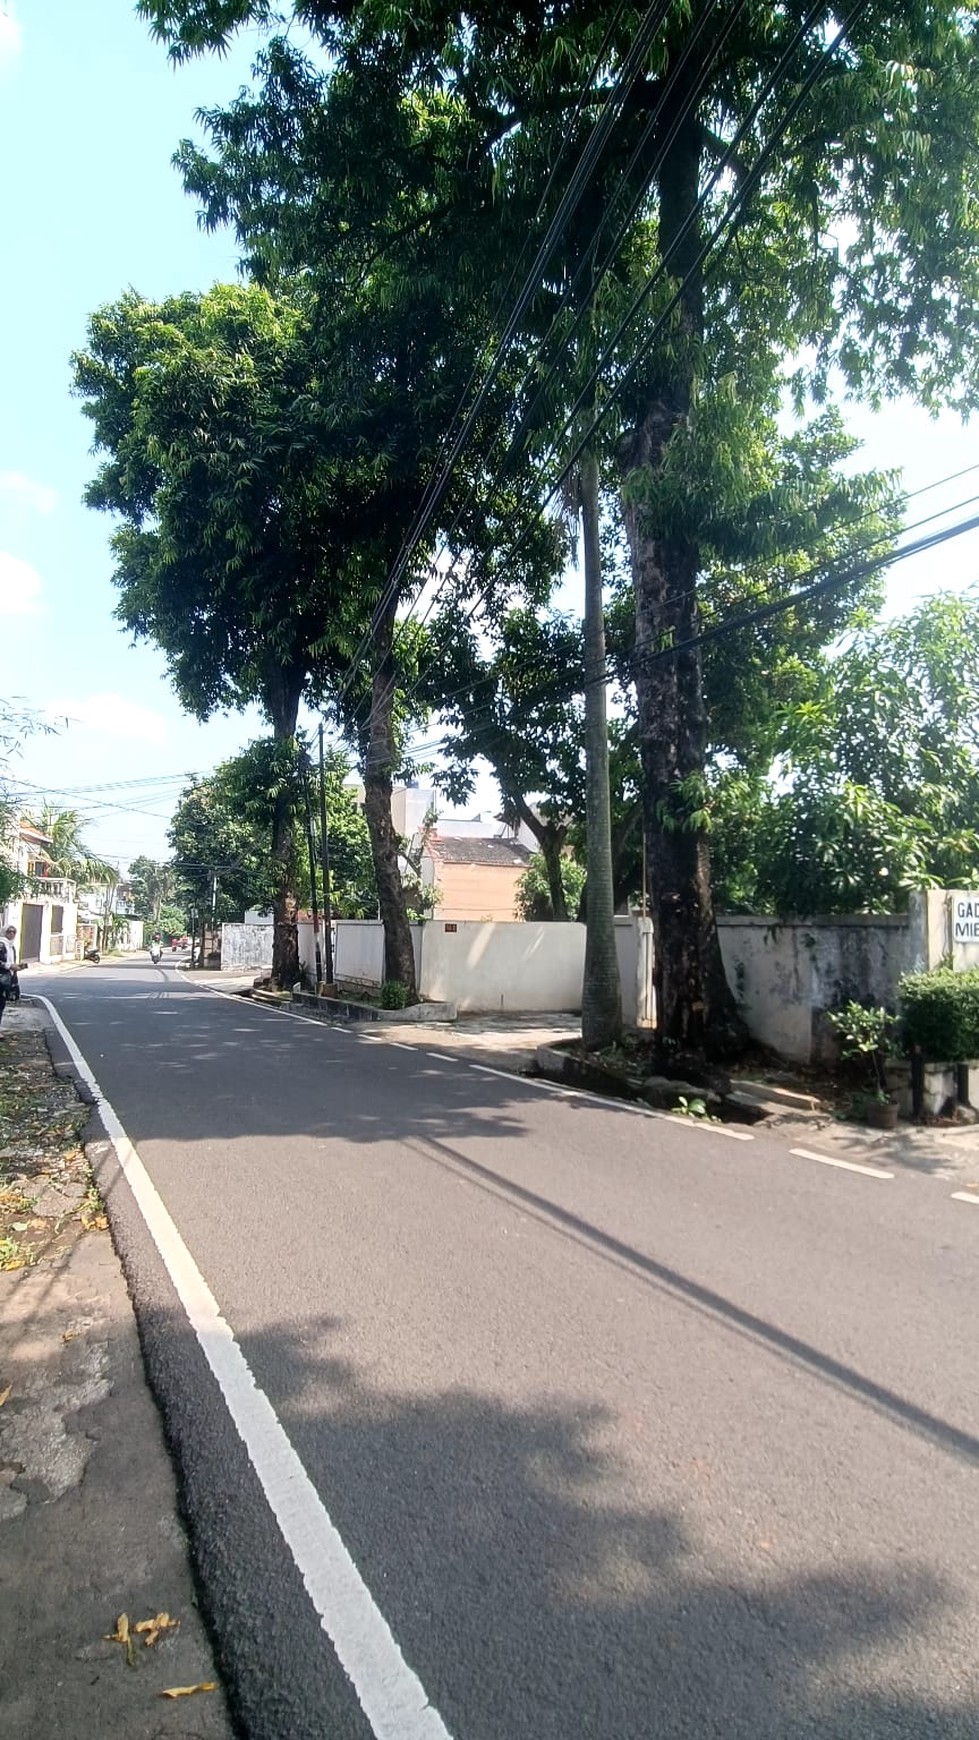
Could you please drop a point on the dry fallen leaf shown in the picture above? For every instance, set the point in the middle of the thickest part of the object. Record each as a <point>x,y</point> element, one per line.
<point>150,1629</point>
<point>188,1691</point>
<point>122,1635</point>
<point>4,1394</point>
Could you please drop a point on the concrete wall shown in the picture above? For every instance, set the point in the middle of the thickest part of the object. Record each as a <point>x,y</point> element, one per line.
<point>54,946</point>
<point>503,968</point>
<point>359,952</point>
<point>786,975</point>
<point>246,948</point>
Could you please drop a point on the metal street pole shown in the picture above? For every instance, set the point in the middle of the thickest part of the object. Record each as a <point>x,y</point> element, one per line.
<point>325,852</point>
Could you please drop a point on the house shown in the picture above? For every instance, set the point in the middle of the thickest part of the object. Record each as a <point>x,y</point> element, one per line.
<point>473,876</point>
<point>47,916</point>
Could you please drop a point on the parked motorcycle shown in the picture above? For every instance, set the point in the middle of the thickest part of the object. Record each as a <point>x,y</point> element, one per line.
<point>93,956</point>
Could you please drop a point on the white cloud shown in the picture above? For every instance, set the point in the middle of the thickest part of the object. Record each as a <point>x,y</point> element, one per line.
<point>20,587</point>
<point>11,40</point>
<point>23,490</point>
<point>109,715</point>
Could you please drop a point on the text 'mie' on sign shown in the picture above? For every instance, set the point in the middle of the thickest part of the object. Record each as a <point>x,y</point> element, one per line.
<point>966,919</point>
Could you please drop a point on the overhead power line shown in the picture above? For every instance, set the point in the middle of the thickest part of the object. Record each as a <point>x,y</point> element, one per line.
<point>594,147</point>
<point>725,222</point>
<point>764,611</point>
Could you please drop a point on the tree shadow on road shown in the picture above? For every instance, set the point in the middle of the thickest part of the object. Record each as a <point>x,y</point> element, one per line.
<point>537,1596</point>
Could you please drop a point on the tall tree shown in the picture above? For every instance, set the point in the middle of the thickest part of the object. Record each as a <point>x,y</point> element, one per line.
<point>376,206</point>
<point>778,238</point>
<point>151,885</point>
<point>208,408</point>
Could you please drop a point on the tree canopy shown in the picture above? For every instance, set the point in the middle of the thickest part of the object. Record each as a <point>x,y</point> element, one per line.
<point>786,202</point>
<point>877,788</point>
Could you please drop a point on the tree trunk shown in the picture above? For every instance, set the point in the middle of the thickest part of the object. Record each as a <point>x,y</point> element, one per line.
<point>695,1008</point>
<point>601,1001</point>
<point>282,693</point>
<point>550,837</point>
<point>399,955</point>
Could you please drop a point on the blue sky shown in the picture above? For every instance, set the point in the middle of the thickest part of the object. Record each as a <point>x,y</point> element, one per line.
<point>90,114</point>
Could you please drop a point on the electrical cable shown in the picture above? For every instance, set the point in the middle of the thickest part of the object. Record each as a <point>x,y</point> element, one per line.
<point>772,606</point>
<point>733,210</point>
<point>587,261</point>
<point>569,200</point>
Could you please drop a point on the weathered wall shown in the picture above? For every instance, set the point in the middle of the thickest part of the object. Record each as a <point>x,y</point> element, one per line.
<point>787,974</point>
<point>246,948</point>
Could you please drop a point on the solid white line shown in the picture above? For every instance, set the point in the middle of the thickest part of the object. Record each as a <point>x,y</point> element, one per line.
<point>390,1693</point>
<point>844,1165</point>
<point>966,1196</point>
<point>573,1093</point>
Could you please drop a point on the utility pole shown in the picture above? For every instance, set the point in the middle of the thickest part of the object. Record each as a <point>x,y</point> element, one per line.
<point>214,908</point>
<point>325,852</point>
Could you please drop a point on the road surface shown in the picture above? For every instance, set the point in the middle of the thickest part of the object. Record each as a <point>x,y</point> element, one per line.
<point>554,1420</point>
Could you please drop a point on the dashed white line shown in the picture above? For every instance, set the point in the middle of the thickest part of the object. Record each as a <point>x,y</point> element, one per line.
<point>389,1692</point>
<point>844,1165</point>
<point>966,1196</point>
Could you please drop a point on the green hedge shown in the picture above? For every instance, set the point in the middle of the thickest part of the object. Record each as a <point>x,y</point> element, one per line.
<point>394,995</point>
<point>940,1013</point>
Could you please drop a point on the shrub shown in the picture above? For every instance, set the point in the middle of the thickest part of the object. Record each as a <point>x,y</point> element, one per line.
<point>866,1037</point>
<point>394,995</point>
<point>941,1014</point>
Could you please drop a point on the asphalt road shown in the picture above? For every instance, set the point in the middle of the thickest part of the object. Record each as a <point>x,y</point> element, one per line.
<point>630,1428</point>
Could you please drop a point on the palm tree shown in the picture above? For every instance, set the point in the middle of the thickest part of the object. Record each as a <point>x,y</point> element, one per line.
<point>67,853</point>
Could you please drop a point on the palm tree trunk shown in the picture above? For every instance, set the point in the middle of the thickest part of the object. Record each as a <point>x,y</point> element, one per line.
<point>601,1001</point>
<point>283,690</point>
<point>399,954</point>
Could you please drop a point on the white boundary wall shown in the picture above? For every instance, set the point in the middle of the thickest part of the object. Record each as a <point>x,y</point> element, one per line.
<point>497,966</point>
<point>501,967</point>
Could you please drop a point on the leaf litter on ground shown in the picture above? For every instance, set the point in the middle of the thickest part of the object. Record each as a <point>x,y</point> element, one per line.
<point>41,1122</point>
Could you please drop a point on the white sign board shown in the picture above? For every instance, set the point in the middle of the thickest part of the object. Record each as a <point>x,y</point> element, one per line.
<point>965,918</point>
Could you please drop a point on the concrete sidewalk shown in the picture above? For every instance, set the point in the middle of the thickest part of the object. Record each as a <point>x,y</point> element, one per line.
<point>89,1514</point>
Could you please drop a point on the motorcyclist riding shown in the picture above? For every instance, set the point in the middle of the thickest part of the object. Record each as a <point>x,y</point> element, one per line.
<point>156,951</point>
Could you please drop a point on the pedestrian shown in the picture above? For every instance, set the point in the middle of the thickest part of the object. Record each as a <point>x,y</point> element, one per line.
<point>9,984</point>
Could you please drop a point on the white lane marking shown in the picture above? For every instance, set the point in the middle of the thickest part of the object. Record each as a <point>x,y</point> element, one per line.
<point>551,1087</point>
<point>844,1165</point>
<point>966,1196</point>
<point>572,1093</point>
<point>269,1009</point>
<point>389,1692</point>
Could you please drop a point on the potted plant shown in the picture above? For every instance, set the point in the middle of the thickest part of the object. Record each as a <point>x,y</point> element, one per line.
<point>866,1040</point>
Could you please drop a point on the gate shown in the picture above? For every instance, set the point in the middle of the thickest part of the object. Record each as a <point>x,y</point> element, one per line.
<point>30,931</point>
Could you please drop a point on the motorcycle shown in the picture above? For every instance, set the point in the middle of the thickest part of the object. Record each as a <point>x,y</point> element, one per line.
<point>156,954</point>
<point>93,956</point>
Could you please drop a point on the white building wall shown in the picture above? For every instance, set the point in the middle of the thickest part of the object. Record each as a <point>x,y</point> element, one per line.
<point>503,968</point>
